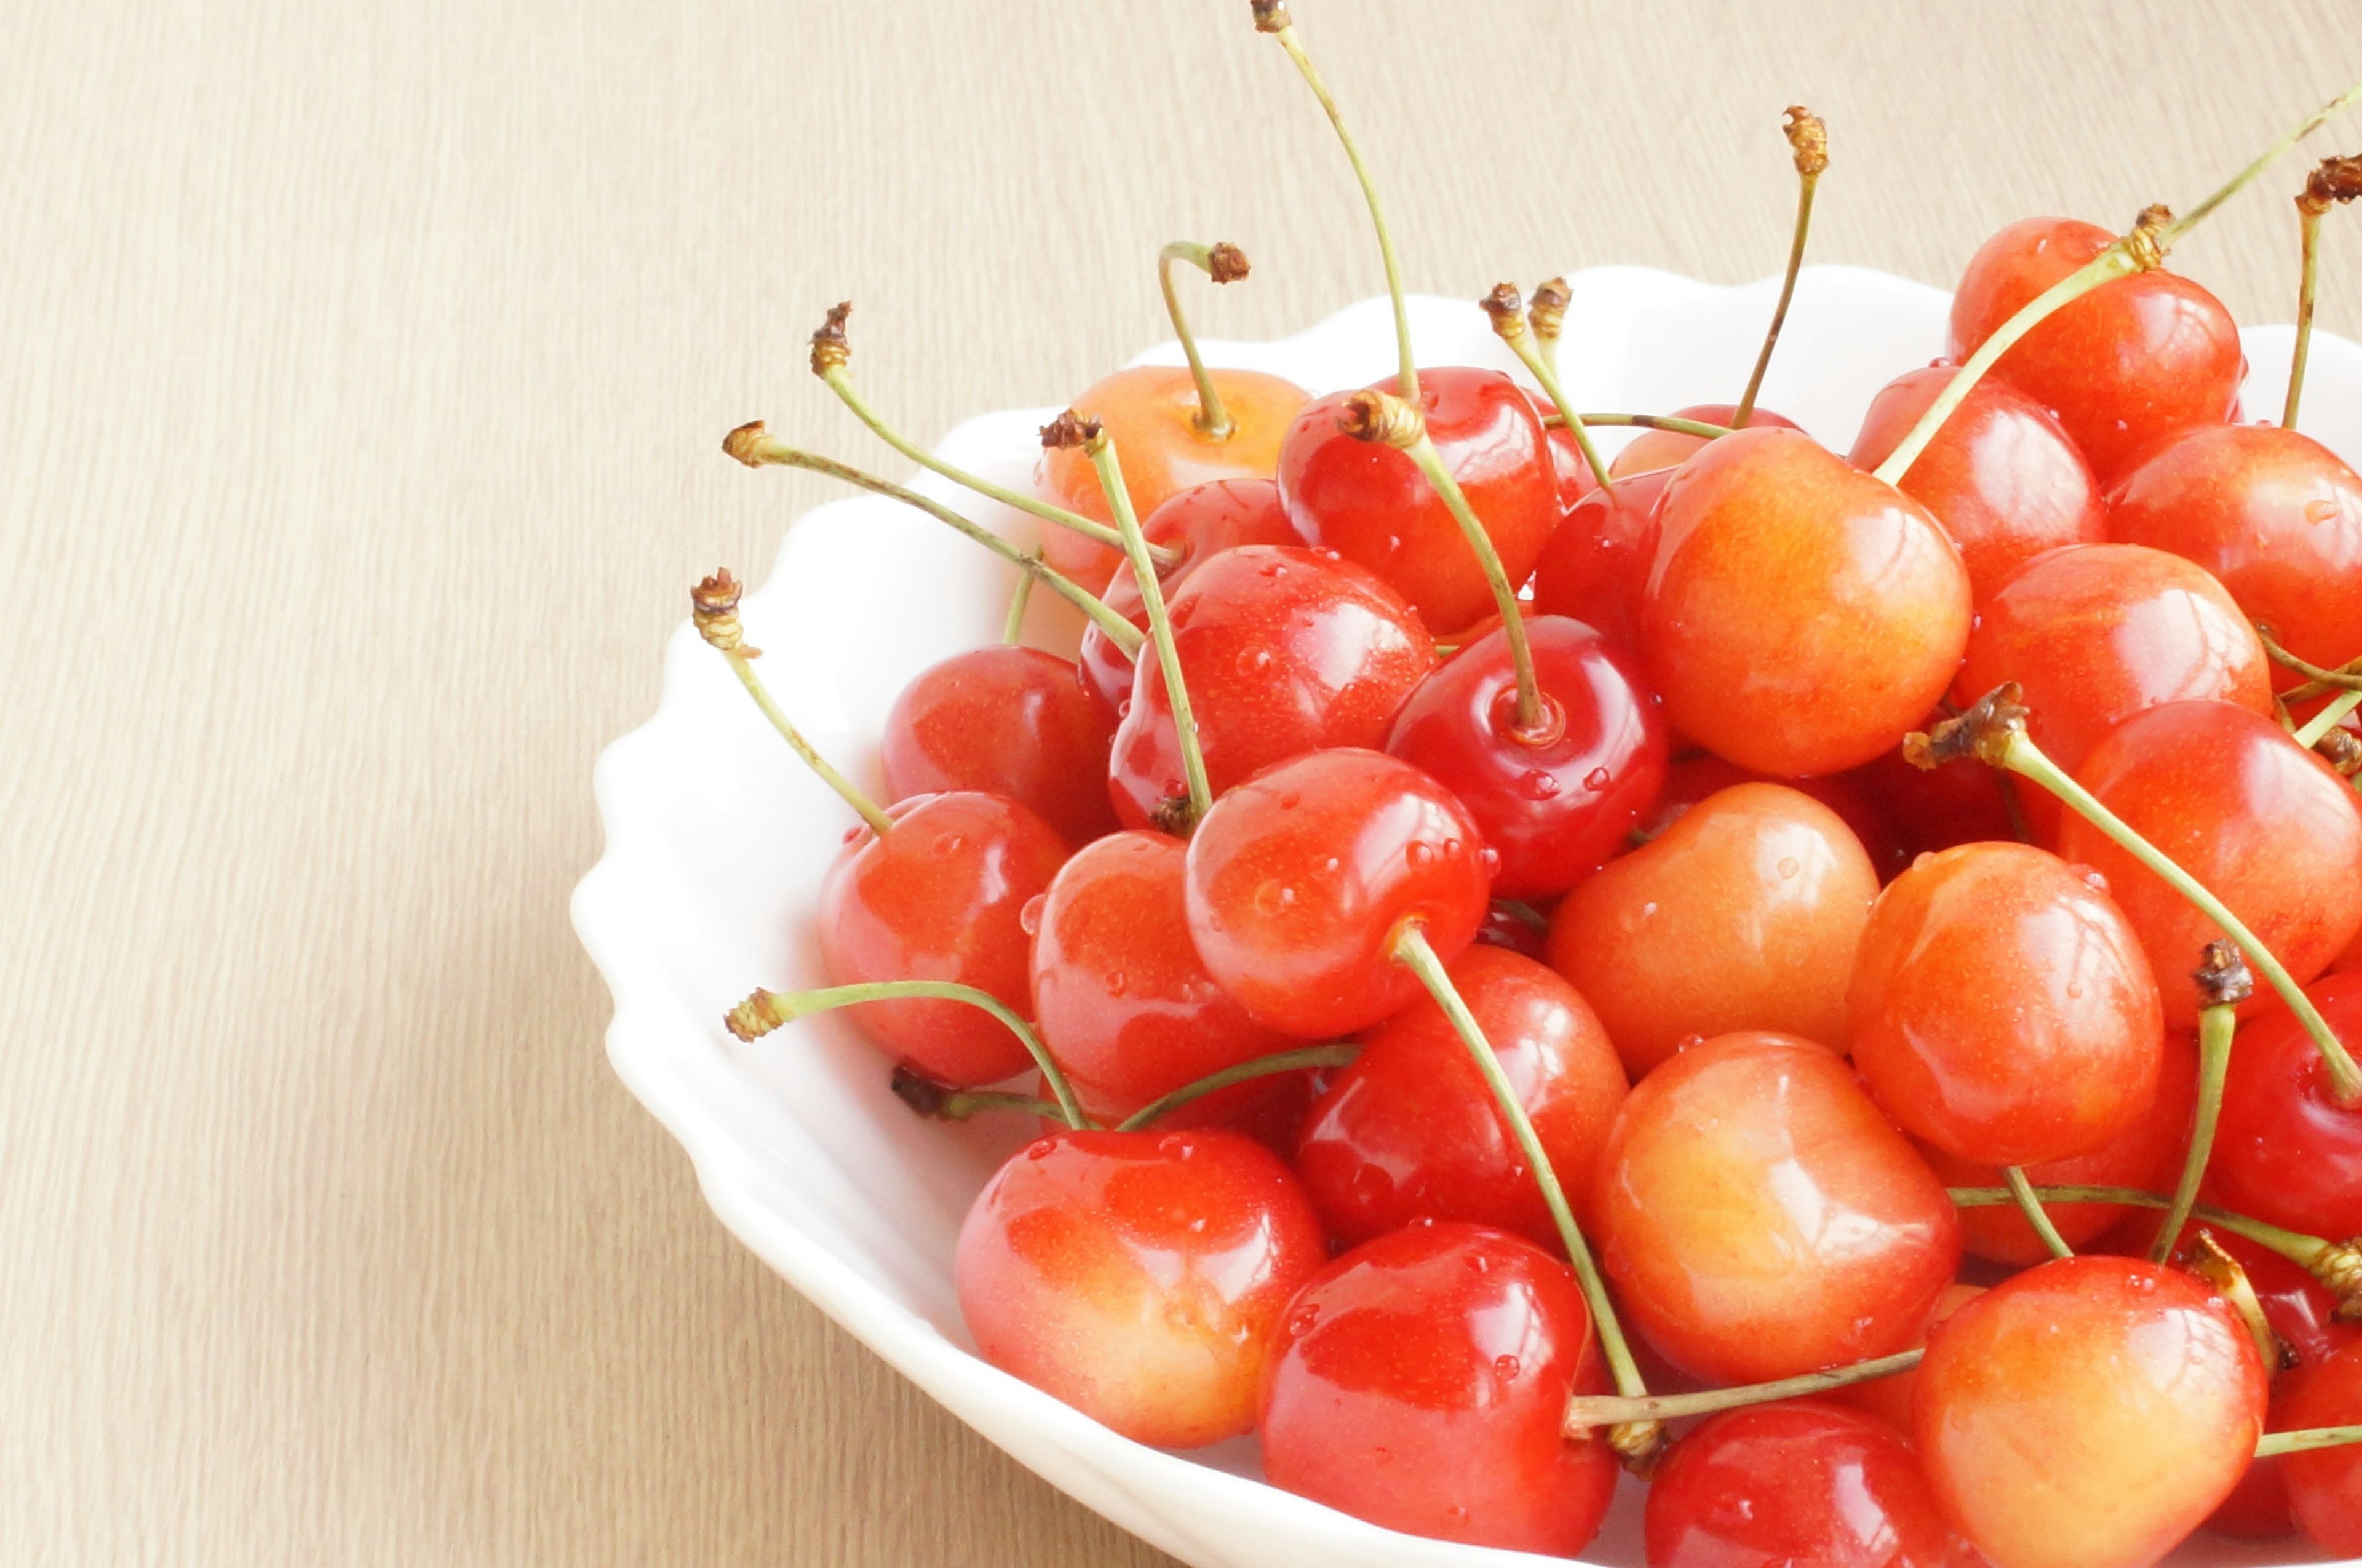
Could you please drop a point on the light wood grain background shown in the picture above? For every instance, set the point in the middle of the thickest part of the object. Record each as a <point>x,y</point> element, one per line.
<point>361,368</point>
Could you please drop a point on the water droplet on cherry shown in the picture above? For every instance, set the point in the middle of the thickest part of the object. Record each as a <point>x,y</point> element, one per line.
<point>1029,916</point>
<point>1596,781</point>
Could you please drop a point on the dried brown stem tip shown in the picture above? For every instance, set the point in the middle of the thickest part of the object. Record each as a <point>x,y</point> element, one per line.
<point>1808,133</point>
<point>1069,429</point>
<point>713,605</point>
<point>1983,732</point>
<point>741,443</point>
<point>2219,1269</point>
<point>1546,312</point>
<point>2337,180</point>
<point>1506,309</point>
<point>2223,976</point>
<point>829,348</point>
<point>920,1092</point>
<point>1270,16</point>
<point>1373,416</point>
<point>2342,750</point>
<point>2145,243</point>
<point>1639,1444</point>
<point>1225,262</point>
<point>754,1017</point>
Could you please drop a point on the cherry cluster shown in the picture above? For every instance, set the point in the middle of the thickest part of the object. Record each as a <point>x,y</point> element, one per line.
<point>1826,980</point>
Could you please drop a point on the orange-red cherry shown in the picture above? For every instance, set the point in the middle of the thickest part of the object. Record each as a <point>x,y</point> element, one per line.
<point>1595,561</point>
<point>1669,448</point>
<point>1010,721</point>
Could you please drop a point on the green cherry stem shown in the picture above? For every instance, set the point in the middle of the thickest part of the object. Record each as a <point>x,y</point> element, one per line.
<point>1809,137</point>
<point>2224,982</point>
<point>941,1102</point>
<point>1271,16</point>
<point>1639,1438</point>
<point>2328,719</point>
<point>1240,1073</point>
<point>831,356</point>
<point>1586,1410</point>
<point>1381,417</point>
<point>1225,263</point>
<point>2338,1264</point>
<point>755,447</point>
<point>2336,180</point>
<point>2306,1439</point>
<point>1510,324</point>
<point>1993,731</point>
<point>2029,1204</point>
<point>714,607</point>
<point>1652,421</point>
<point>766,1011</point>
<point>1012,625</point>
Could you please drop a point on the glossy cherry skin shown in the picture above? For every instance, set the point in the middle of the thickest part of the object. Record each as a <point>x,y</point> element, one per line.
<point>1010,720</point>
<point>1670,448</point>
<point>1595,561</point>
<point>2285,1150</point>
<point>1803,1481</point>
<point>1693,779</point>
<point>2088,1413</point>
<point>940,898</point>
<point>2304,1314</point>
<point>1889,1398</point>
<point>1198,524</point>
<point>1284,651</point>
<point>2325,1486</point>
<point>2002,475</point>
<point>2272,514</point>
<point>1557,803</point>
<point>1139,1276</point>
<point>2262,823</point>
<point>2002,1008</point>
<point>1926,809</point>
<point>1419,1384</point>
<point>1151,412</point>
<point>1743,914</point>
<point>1371,504</point>
<point>1410,1128</point>
<point>2129,363</point>
<point>1302,880</point>
<point>1799,616</point>
<point>1119,995</point>
<point>1760,1217</point>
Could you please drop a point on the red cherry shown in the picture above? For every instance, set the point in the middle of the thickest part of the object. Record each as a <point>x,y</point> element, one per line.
<point>1799,616</point>
<point>940,898</point>
<point>1010,721</point>
<point>1410,1128</point>
<point>2285,1151</point>
<point>1800,1482</point>
<point>1120,998</point>
<point>1889,1398</point>
<point>1418,1384</point>
<point>2260,822</point>
<point>1139,1276</point>
<point>2303,1315</point>
<point>1369,502</point>
<point>1759,1218</point>
<point>1513,933</point>
<point>2273,515</point>
<point>2002,1008</point>
<point>1554,804</point>
<point>1284,651</point>
<point>2002,475</point>
<point>2325,1486</point>
<point>1595,561</point>
<point>2088,1413</point>
<point>1670,448</point>
<point>1926,809</point>
<point>1301,880</point>
<point>2129,363</point>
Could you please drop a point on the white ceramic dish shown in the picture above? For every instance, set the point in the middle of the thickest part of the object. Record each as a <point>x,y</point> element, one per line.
<point>717,838</point>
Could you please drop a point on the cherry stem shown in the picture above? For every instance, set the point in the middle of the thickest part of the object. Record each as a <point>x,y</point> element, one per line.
<point>2223,983</point>
<point>1511,325</point>
<point>2308,1252</point>
<point>2022,1192</point>
<point>752,446</point>
<point>2328,719</point>
<point>1810,139</point>
<point>1271,16</point>
<point>2209,1262</point>
<point>1012,626</point>
<point>1643,1438</point>
<point>2306,1438</point>
<point>2319,674</point>
<point>2156,232</point>
<point>1587,1410</point>
<point>2308,278</point>
<point>1523,913</point>
<point>829,357</point>
<point>1240,1073</point>
<point>941,1102</point>
<point>1224,263</point>
<point>1652,421</point>
<point>1100,447</point>
<point>714,607</point>
<point>766,1011</point>
<point>1546,313</point>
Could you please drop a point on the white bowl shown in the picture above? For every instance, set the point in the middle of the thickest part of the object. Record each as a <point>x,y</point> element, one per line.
<point>717,838</point>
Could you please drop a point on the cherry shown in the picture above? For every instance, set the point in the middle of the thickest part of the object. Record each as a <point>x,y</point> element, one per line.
<point>2135,359</point>
<point>1594,562</point>
<point>2272,514</point>
<point>1417,1385</point>
<point>1010,721</point>
<point>1369,502</point>
<point>2285,1151</point>
<point>1301,880</point>
<point>1138,1277</point>
<point>2253,818</point>
<point>2002,476</point>
<point>2088,1413</point>
<point>2325,1486</point>
<point>1744,914</point>
<point>1760,1217</point>
<point>1694,778</point>
<point>1554,803</point>
<point>1803,1481</point>
<point>1410,1128</point>
<point>1195,525</point>
<point>1958,803</point>
<point>1520,931</point>
<point>1889,1398</point>
<point>2302,1315</point>
<point>1284,651</point>
<point>1670,448</point>
<point>2002,1008</point>
<point>1799,615</point>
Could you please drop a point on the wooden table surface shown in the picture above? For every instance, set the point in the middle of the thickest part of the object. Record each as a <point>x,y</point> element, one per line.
<point>361,372</point>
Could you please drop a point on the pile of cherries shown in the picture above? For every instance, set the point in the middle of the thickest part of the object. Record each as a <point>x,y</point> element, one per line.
<point>1524,953</point>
